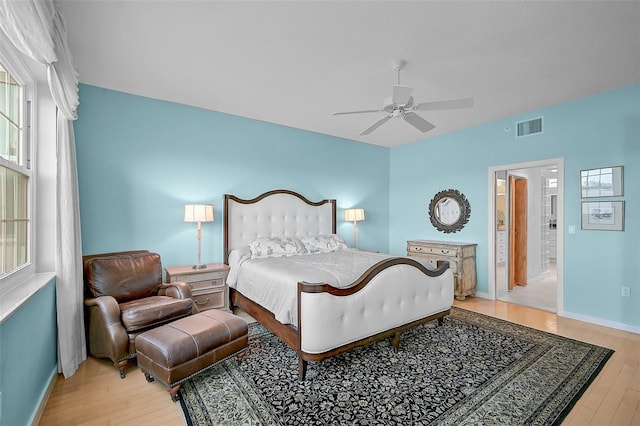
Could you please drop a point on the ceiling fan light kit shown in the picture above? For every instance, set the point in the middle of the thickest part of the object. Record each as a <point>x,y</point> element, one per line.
<point>401,104</point>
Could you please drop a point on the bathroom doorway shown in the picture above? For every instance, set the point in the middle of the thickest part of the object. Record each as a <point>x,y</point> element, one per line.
<point>526,246</point>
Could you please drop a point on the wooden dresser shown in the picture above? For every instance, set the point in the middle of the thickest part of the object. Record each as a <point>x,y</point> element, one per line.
<point>461,258</point>
<point>208,285</point>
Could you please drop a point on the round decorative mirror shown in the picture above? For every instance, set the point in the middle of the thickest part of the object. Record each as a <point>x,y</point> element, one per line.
<point>449,211</point>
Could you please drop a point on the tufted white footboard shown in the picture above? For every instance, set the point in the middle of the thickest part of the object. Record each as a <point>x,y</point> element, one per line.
<point>396,296</point>
<point>395,293</point>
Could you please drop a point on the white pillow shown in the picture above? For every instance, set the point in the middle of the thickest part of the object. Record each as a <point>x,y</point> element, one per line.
<point>324,243</point>
<point>276,247</point>
<point>236,258</point>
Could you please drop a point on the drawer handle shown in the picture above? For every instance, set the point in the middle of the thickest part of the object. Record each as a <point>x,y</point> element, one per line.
<point>445,251</point>
<point>418,248</point>
<point>203,303</point>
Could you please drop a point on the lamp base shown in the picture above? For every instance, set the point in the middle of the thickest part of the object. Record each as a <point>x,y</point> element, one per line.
<point>202,266</point>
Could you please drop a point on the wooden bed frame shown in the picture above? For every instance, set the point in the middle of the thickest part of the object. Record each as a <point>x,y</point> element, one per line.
<point>314,299</point>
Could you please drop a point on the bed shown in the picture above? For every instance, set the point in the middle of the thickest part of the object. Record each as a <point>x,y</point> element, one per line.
<point>332,298</point>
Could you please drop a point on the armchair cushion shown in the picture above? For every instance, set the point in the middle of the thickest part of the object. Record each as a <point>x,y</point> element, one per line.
<point>126,276</point>
<point>152,311</point>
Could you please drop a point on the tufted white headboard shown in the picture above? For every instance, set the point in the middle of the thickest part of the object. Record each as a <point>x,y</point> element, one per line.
<point>279,213</point>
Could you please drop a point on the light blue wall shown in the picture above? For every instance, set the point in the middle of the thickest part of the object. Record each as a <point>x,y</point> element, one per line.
<point>140,160</point>
<point>28,357</point>
<point>599,131</point>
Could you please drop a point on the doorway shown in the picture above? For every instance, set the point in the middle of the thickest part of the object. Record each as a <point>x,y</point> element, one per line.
<point>525,246</point>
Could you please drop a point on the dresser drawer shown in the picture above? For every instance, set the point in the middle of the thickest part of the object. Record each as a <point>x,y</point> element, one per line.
<point>439,251</point>
<point>209,299</point>
<point>434,261</point>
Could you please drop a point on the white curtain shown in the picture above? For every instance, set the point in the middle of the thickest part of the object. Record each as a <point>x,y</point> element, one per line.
<point>36,28</point>
<point>69,292</point>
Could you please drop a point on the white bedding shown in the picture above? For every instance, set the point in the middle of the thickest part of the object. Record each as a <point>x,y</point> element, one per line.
<point>273,282</point>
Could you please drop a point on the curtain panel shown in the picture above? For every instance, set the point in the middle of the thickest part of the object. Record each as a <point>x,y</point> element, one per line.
<point>36,28</point>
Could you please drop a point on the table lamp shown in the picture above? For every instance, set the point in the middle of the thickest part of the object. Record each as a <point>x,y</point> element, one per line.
<point>198,213</point>
<point>354,215</point>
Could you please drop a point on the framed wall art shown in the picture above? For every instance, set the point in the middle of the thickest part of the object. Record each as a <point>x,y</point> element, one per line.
<point>603,215</point>
<point>603,182</point>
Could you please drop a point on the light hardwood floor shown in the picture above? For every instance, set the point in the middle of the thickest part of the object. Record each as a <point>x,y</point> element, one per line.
<point>96,395</point>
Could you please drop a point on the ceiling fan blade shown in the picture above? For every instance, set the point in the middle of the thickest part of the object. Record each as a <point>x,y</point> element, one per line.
<point>401,94</point>
<point>357,112</point>
<point>418,122</point>
<point>376,125</point>
<point>450,104</point>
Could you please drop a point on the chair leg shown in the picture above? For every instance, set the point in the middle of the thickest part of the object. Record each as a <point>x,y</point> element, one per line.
<point>120,365</point>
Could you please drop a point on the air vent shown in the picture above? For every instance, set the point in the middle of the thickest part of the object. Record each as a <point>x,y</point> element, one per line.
<point>529,127</point>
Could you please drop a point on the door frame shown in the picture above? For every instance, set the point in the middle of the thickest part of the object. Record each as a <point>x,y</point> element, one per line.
<point>491,240</point>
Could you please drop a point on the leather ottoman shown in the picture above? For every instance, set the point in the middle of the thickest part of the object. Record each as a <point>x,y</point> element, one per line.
<point>174,352</point>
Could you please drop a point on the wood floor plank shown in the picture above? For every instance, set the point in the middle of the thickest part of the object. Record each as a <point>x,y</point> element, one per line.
<point>636,418</point>
<point>627,408</point>
<point>612,400</point>
<point>579,416</point>
<point>96,396</point>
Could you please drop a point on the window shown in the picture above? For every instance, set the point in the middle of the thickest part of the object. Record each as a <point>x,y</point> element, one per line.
<point>15,169</point>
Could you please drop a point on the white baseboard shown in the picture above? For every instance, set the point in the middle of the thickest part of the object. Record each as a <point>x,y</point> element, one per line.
<point>45,397</point>
<point>586,318</point>
<point>599,321</point>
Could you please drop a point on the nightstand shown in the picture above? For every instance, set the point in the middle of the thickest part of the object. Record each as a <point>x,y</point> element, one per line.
<point>208,285</point>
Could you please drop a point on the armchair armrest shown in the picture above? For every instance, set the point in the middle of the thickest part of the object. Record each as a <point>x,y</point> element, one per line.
<point>107,336</point>
<point>108,306</point>
<point>178,290</point>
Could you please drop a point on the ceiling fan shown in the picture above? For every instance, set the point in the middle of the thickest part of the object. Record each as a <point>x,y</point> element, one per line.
<point>401,104</point>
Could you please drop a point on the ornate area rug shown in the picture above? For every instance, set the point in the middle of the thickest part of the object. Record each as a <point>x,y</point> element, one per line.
<point>472,370</point>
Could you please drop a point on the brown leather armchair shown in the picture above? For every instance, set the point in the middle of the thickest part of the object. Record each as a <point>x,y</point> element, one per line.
<point>125,296</point>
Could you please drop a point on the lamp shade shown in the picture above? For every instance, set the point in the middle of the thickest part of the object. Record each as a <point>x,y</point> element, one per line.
<point>198,212</point>
<point>353,215</point>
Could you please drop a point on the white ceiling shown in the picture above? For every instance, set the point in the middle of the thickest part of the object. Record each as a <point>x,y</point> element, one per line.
<point>294,63</point>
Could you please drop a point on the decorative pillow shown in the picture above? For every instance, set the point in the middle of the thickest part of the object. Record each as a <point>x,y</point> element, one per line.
<point>324,243</point>
<point>276,247</point>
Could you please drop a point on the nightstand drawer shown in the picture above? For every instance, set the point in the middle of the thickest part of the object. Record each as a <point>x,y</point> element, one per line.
<point>209,299</point>
<point>205,284</point>
<point>199,277</point>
